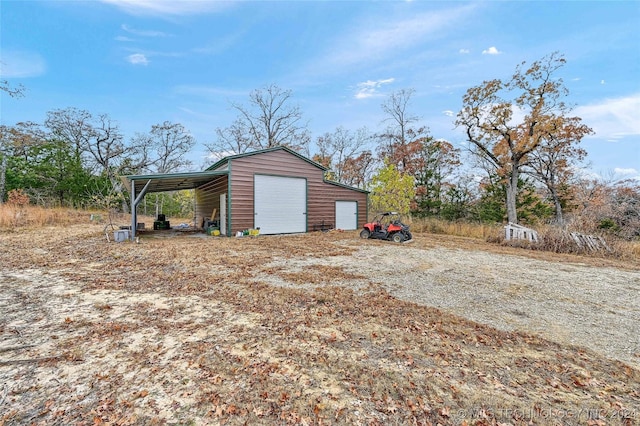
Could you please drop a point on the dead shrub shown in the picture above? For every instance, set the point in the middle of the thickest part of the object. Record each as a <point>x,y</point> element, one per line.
<point>18,198</point>
<point>556,239</point>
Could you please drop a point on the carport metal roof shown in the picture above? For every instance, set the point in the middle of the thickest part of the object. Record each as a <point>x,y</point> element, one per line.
<point>170,181</point>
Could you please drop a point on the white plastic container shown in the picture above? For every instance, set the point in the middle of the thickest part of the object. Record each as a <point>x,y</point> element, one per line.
<point>121,235</point>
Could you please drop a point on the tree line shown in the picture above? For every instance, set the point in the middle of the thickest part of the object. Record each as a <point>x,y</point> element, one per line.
<point>520,164</point>
<point>75,158</point>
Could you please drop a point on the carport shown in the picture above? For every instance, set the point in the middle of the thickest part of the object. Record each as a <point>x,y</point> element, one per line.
<point>140,185</point>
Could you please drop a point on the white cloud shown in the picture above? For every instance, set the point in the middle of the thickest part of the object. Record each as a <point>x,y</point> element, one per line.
<point>168,7</point>
<point>464,51</point>
<point>143,33</point>
<point>491,51</point>
<point>21,64</point>
<point>138,59</point>
<point>369,88</point>
<point>612,119</point>
<point>617,175</point>
<point>602,82</point>
<point>627,171</point>
<point>586,173</point>
<point>123,38</point>
<point>379,38</point>
<point>448,113</point>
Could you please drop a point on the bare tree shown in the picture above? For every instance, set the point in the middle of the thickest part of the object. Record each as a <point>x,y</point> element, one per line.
<point>71,125</point>
<point>170,142</point>
<point>106,146</point>
<point>233,139</point>
<point>401,128</point>
<point>268,121</point>
<point>164,149</point>
<point>334,149</point>
<point>98,142</point>
<point>13,91</point>
<point>607,204</point>
<point>140,158</point>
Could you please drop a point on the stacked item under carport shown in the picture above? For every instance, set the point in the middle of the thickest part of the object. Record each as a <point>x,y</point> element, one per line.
<point>161,223</point>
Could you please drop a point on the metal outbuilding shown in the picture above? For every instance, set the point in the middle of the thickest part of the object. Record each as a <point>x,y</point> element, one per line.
<point>275,189</point>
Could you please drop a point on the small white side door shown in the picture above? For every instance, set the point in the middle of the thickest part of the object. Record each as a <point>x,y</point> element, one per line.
<point>347,215</point>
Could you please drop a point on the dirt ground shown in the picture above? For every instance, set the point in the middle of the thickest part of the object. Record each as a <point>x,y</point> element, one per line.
<point>322,328</point>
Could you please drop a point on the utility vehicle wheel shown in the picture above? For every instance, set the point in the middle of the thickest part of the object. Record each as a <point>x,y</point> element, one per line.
<point>397,237</point>
<point>408,236</point>
<point>364,234</point>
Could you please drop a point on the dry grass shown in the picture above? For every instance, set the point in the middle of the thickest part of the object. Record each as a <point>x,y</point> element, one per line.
<point>185,331</point>
<point>552,239</point>
<point>14,216</point>
<point>461,229</point>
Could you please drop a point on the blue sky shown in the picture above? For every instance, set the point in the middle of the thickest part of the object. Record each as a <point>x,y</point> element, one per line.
<point>146,61</point>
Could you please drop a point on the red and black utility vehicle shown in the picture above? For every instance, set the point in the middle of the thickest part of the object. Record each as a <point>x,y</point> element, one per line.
<point>387,226</point>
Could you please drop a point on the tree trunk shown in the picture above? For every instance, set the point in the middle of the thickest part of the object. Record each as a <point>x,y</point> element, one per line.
<point>118,188</point>
<point>557,204</point>
<point>512,195</point>
<point>3,178</point>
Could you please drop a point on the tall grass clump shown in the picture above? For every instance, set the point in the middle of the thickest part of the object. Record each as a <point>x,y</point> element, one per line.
<point>434,225</point>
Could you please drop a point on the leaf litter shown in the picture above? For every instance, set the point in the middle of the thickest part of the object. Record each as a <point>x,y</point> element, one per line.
<point>303,329</point>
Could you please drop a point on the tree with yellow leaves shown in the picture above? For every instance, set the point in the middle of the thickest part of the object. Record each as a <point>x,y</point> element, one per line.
<point>391,190</point>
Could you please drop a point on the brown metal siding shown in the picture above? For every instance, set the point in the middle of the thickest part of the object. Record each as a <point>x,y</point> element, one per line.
<point>277,163</point>
<point>324,200</point>
<point>208,198</point>
<point>321,196</point>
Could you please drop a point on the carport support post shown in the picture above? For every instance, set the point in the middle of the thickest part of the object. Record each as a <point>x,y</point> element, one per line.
<point>134,205</point>
<point>134,215</point>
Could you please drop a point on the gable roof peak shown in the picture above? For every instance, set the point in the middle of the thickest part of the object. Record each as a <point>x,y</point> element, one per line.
<point>264,151</point>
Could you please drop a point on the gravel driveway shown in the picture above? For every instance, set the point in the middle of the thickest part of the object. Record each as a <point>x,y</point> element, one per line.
<point>598,308</point>
<point>593,307</point>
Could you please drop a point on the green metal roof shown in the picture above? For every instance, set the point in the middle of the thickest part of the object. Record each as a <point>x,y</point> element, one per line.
<point>262,151</point>
<point>172,181</point>
<point>342,185</point>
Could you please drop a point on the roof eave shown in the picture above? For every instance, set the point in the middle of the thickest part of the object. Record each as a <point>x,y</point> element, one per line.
<point>342,185</point>
<point>263,151</point>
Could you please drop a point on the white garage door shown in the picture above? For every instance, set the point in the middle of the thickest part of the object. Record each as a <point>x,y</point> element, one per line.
<point>346,215</point>
<point>280,204</point>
